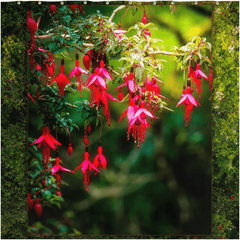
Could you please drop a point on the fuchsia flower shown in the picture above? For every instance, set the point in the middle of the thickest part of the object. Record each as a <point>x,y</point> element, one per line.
<point>104,95</point>
<point>119,34</point>
<point>46,141</point>
<point>32,25</point>
<point>103,72</point>
<point>77,71</point>
<point>61,79</point>
<point>96,79</point>
<point>73,7</point>
<point>144,19</point>
<point>96,84</point>
<point>100,160</point>
<point>139,123</point>
<point>86,166</point>
<point>130,111</point>
<point>58,167</point>
<point>189,101</point>
<point>147,32</point>
<point>198,75</point>
<point>128,82</point>
<point>153,88</point>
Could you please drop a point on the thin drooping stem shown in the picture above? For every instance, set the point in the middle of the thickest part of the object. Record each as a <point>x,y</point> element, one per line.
<point>115,11</point>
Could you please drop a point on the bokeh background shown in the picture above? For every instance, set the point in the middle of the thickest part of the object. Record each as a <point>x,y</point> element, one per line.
<point>165,186</point>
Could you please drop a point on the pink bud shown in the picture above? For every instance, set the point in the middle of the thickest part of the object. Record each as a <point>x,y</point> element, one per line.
<point>70,149</point>
<point>86,62</point>
<point>102,64</point>
<point>89,128</point>
<point>120,95</point>
<point>131,76</point>
<point>144,19</point>
<point>38,208</point>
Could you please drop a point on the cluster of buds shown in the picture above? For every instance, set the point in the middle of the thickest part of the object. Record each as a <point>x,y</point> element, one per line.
<point>34,204</point>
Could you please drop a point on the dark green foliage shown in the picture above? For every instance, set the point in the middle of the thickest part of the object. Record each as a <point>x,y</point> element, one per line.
<point>14,121</point>
<point>225,127</point>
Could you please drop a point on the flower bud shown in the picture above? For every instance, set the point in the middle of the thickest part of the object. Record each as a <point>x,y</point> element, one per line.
<point>85,140</point>
<point>120,95</point>
<point>70,149</point>
<point>38,208</point>
<point>30,202</point>
<point>89,128</point>
<point>144,19</point>
<point>53,9</point>
<point>86,62</point>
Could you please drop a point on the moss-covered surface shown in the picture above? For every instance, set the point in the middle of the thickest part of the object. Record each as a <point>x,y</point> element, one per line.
<point>225,123</point>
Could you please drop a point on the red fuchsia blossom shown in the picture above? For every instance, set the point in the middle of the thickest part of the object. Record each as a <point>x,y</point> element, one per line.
<point>139,123</point>
<point>58,167</point>
<point>77,71</point>
<point>46,141</point>
<point>128,82</point>
<point>119,34</point>
<point>198,75</point>
<point>38,208</point>
<point>70,149</point>
<point>189,101</point>
<point>103,72</point>
<point>232,197</point>
<point>144,19</point>
<point>96,84</point>
<point>100,160</point>
<point>129,111</point>
<point>147,32</point>
<point>73,7</point>
<point>86,166</point>
<point>32,25</point>
<point>104,102</point>
<point>153,88</point>
<point>61,79</point>
<point>30,202</point>
<point>53,9</point>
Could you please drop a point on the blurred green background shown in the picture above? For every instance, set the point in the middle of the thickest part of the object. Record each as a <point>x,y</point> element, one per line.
<point>165,186</point>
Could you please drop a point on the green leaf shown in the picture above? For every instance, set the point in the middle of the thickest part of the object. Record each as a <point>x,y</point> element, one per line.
<point>59,50</point>
<point>47,194</point>
<point>134,10</point>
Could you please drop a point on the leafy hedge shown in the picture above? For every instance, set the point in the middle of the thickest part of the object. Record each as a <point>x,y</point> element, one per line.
<point>225,122</point>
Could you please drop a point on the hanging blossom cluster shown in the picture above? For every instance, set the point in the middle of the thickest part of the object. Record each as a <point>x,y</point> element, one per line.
<point>187,99</point>
<point>144,98</point>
